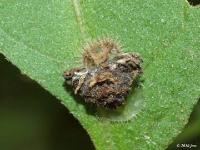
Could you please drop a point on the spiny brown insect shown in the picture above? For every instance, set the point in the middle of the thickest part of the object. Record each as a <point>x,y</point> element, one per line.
<point>105,80</point>
<point>98,52</point>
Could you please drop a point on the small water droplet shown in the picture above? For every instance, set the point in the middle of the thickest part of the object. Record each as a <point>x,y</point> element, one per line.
<point>162,20</point>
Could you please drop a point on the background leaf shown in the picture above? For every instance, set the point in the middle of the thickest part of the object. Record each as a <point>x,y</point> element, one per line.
<point>43,38</point>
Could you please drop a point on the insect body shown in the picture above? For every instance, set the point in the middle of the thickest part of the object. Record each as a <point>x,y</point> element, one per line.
<point>107,81</point>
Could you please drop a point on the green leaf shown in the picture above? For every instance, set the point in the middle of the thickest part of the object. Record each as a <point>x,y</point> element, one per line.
<point>44,38</point>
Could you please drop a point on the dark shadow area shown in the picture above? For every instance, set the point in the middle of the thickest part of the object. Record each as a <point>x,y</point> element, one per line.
<point>33,119</point>
<point>194,2</point>
<point>190,136</point>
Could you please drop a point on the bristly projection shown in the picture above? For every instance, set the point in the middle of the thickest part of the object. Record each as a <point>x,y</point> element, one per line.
<point>108,75</point>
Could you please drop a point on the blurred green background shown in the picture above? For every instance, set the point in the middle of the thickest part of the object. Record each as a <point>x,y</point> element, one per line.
<point>33,119</point>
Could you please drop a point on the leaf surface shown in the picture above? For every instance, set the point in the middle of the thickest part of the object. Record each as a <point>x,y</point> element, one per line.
<point>44,38</point>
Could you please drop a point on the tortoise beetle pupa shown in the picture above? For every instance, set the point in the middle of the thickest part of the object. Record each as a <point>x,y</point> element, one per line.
<point>107,76</point>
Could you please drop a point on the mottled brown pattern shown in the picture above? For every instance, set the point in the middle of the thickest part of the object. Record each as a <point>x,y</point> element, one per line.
<point>106,82</point>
